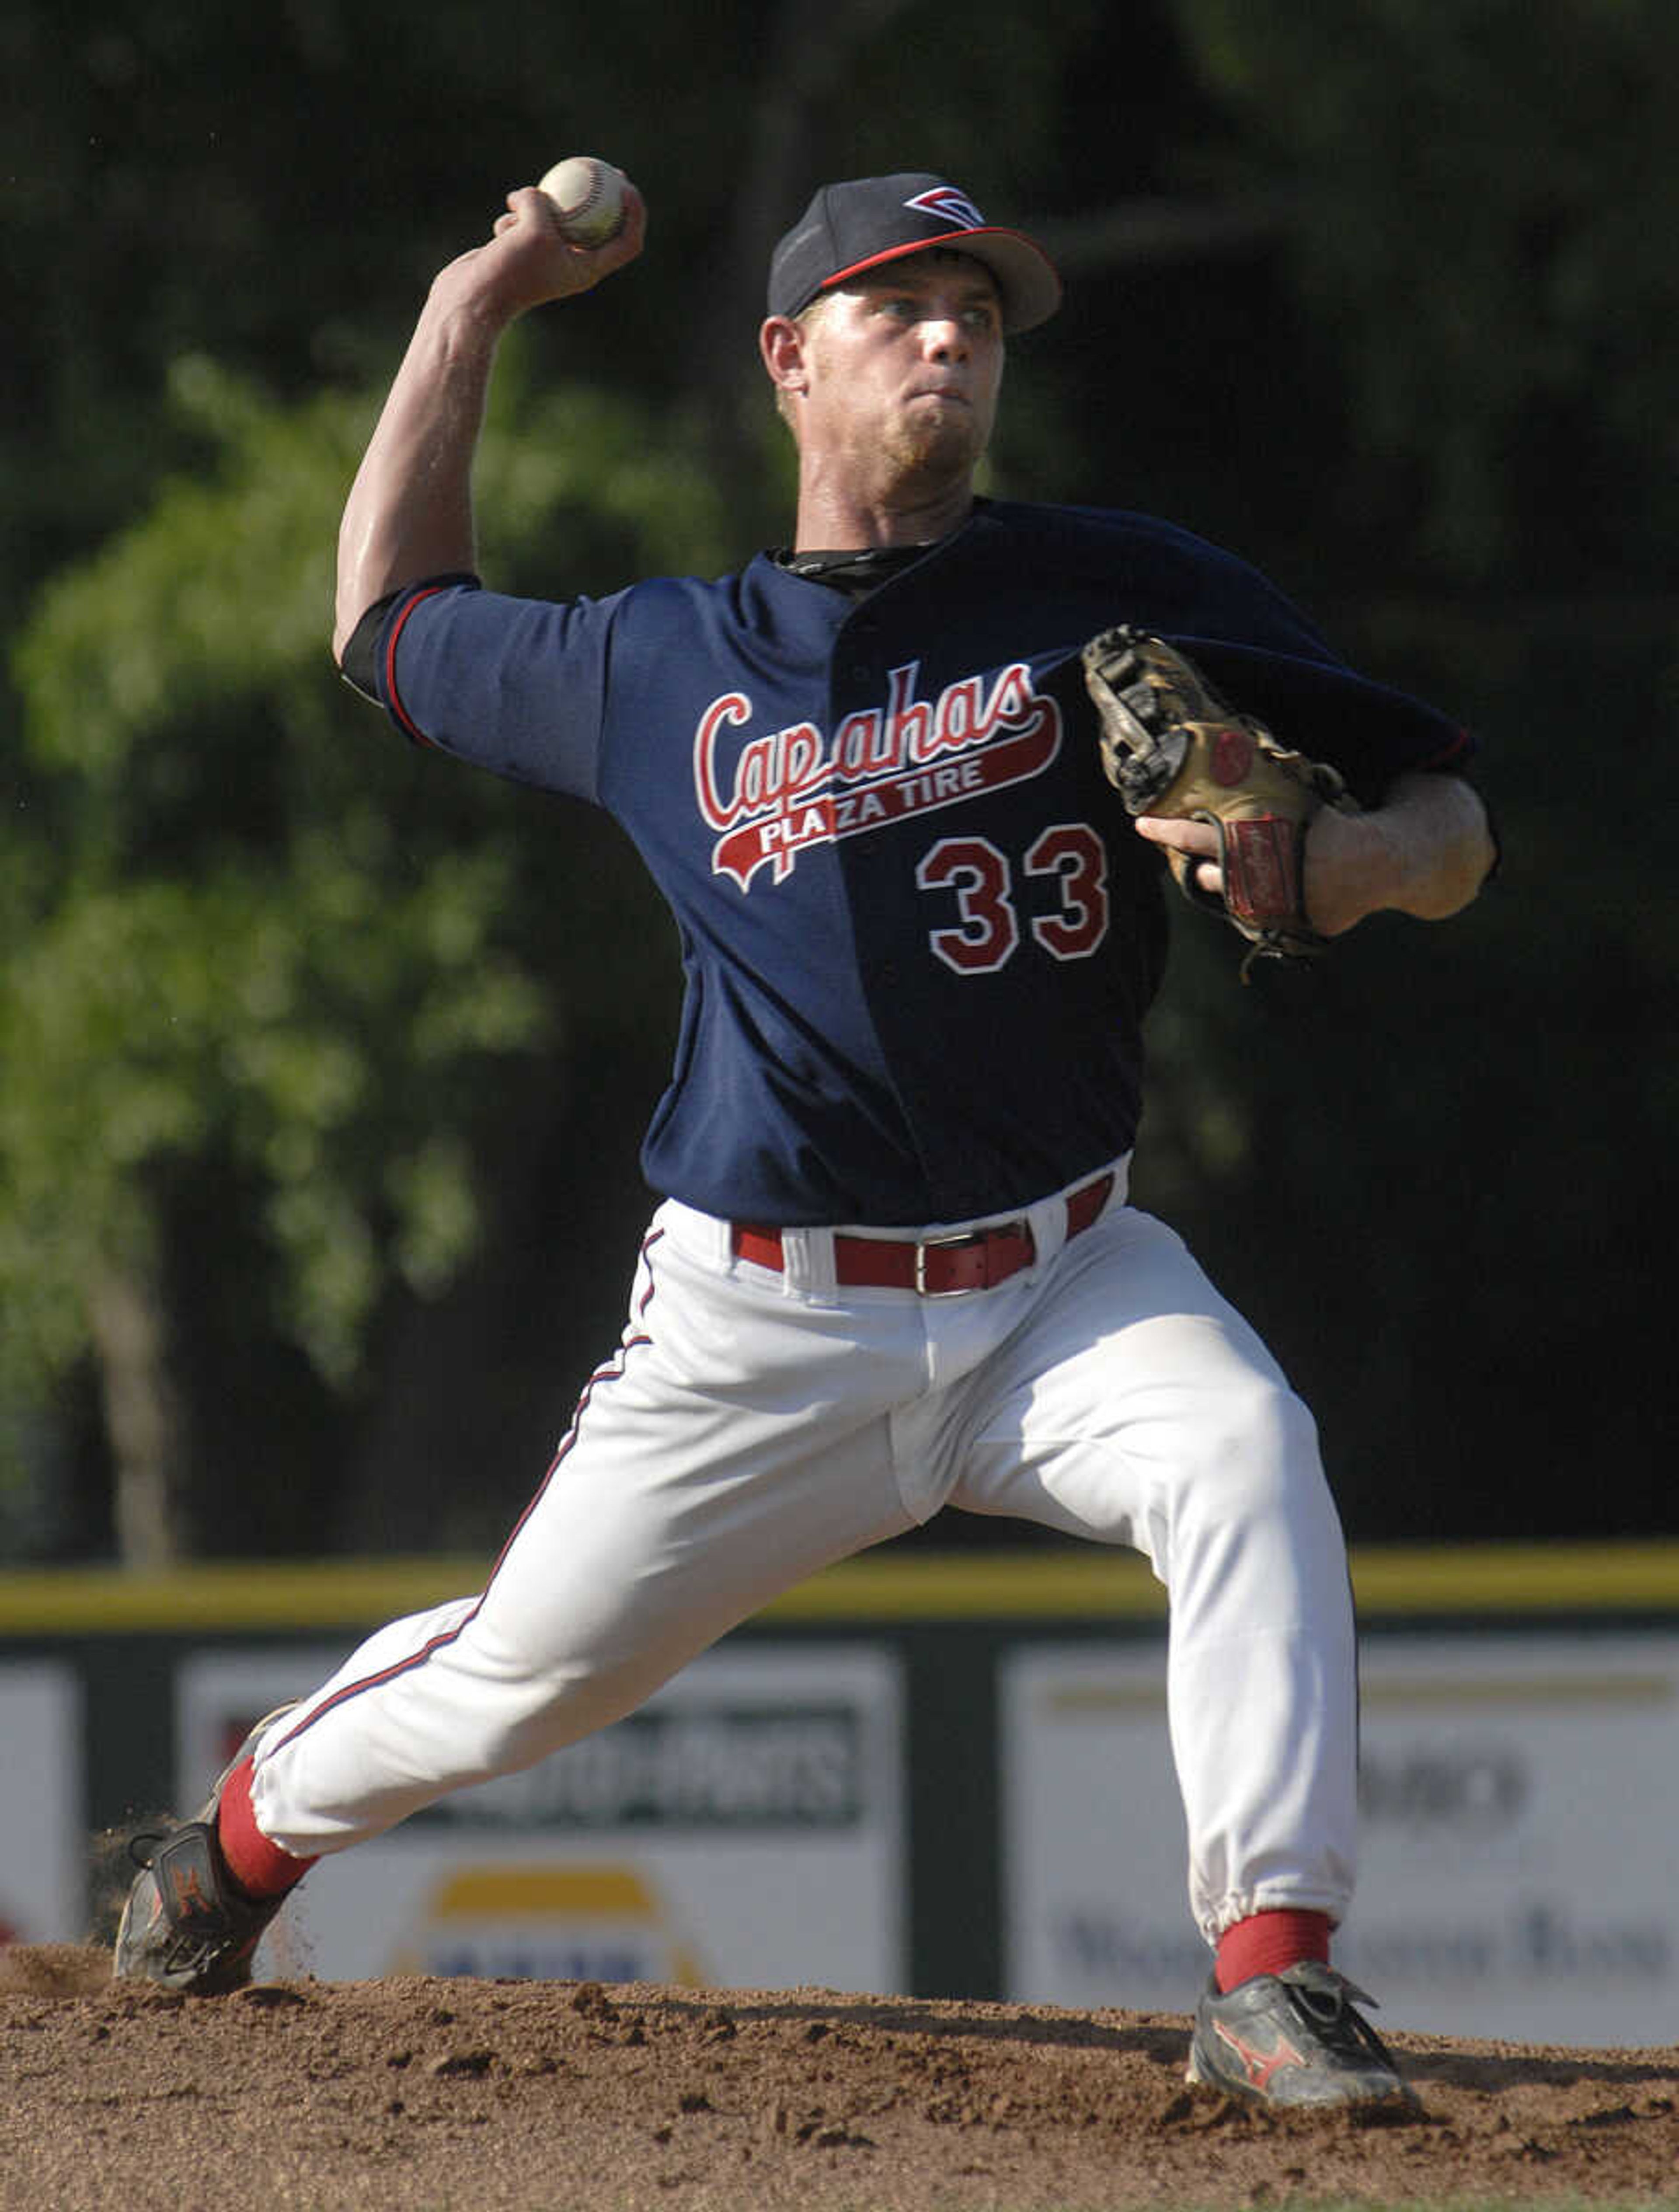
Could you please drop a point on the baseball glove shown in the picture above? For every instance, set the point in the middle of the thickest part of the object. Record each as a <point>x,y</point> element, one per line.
<point>1171,747</point>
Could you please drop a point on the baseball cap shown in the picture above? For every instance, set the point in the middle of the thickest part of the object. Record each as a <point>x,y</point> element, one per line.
<point>849,228</point>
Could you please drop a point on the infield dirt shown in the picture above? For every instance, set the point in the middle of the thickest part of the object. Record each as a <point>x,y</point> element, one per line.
<point>431,2095</point>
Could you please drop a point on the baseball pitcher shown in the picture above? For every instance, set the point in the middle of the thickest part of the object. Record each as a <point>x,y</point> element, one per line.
<point>905,784</point>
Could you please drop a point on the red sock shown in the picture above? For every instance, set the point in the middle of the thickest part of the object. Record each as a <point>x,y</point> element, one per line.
<point>1266,1943</point>
<point>259,1868</point>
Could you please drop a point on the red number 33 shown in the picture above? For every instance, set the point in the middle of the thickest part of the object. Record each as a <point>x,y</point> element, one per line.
<point>988,928</point>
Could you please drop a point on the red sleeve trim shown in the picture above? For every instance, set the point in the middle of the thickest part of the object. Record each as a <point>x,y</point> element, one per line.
<point>410,727</point>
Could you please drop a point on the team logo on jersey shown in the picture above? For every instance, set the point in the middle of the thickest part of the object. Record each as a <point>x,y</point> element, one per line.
<point>950,206</point>
<point>797,786</point>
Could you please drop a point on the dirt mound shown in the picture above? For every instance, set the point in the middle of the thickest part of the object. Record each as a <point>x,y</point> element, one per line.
<point>511,2094</point>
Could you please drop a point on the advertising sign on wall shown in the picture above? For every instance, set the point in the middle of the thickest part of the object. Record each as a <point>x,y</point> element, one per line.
<point>45,1841</point>
<point>744,1828</point>
<point>1519,1800</point>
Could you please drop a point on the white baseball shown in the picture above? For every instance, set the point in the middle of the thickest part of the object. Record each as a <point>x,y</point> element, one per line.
<point>588,195</point>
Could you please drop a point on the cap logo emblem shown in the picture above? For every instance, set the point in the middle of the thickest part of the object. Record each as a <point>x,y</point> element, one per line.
<point>950,206</point>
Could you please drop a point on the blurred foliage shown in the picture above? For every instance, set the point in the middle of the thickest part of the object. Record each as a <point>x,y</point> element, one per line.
<point>232,939</point>
<point>346,1051</point>
<point>1480,195</point>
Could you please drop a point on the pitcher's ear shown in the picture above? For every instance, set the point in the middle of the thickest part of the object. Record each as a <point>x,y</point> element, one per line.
<point>782,343</point>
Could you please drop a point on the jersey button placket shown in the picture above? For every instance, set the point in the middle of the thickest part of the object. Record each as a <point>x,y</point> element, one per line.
<point>858,672</point>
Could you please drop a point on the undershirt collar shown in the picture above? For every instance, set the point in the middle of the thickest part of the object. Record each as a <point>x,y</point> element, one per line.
<point>853,571</point>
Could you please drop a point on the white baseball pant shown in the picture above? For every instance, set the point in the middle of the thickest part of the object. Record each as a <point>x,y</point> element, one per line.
<point>755,1426</point>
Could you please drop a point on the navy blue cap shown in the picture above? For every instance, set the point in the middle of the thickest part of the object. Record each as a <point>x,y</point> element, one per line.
<point>851,228</point>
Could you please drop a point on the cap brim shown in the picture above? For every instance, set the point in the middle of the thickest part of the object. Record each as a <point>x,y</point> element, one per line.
<point>1027,280</point>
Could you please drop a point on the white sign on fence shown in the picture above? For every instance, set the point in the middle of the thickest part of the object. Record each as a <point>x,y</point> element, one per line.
<point>41,1875</point>
<point>1520,1796</point>
<point>744,1829</point>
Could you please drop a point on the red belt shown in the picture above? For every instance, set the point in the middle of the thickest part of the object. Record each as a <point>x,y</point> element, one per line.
<point>936,1266</point>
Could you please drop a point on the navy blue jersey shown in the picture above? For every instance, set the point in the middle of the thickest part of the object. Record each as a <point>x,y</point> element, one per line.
<point>918,931</point>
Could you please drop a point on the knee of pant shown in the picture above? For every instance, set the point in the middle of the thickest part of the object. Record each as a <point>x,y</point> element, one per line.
<point>1256,1459</point>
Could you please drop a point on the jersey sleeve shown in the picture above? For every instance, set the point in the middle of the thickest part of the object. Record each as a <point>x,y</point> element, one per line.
<point>1271,660</point>
<point>1266,656</point>
<point>1370,731</point>
<point>517,686</point>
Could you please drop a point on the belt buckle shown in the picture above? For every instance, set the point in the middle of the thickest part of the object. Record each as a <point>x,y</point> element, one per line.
<point>925,1244</point>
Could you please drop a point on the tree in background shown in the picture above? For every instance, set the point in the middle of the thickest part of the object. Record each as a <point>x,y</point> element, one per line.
<point>248,972</point>
<point>1481,199</point>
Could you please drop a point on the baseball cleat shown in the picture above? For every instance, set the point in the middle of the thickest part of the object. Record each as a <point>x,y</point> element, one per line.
<point>1294,2039</point>
<point>186,1925</point>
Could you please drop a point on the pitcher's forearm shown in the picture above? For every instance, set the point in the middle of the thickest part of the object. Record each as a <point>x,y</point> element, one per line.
<point>409,512</point>
<point>1438,846</point>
